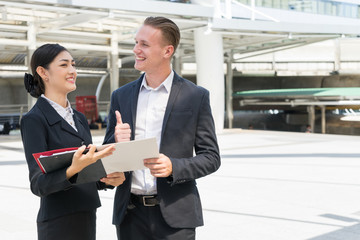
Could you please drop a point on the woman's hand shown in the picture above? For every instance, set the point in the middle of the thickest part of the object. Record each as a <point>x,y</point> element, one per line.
<point>114,179</point>
<point>80,160</point>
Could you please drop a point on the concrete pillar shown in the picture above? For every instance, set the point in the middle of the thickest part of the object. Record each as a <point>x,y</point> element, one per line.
<point>274,67</point>
<point>337,55</point>
<point>229,90</point>
<point>31,37</point>
<point>311,111</point>
<point>253,10</point>
<point>217,8</point>
<point>228,12</point>
<point>210,71</point>
<point>323,119</point>
<point>113,63</point>
<point>176,63</point>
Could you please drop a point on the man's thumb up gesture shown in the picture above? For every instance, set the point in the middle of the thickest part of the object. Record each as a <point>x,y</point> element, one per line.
<point>122,130</point>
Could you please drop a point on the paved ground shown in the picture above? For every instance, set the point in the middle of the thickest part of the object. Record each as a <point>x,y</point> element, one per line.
<point>271,186</point>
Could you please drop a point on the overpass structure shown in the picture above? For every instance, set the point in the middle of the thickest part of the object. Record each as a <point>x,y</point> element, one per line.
<point>217,37</point>
<point>306,97</point>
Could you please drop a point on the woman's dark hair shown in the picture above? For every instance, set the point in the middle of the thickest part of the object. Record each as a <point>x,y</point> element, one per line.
<point>42,56</point>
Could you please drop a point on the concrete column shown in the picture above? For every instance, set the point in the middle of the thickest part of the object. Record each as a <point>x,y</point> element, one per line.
<point>210,71</point>
<point>311,111</point>
<point>217,8</point>
<point>31,37</point>
<point>253,10</point>
<point>337,55</point>
<point>113,64</point>
<point>176,63</point>
<point>274,63</point>
<point>228,12</point>
<point>229,90</point>
<point>323,119</point>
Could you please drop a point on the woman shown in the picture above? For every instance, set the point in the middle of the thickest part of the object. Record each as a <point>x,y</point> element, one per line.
<point>67,210</point>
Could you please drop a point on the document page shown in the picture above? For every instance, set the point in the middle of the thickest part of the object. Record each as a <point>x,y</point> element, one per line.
<point>129,156</point>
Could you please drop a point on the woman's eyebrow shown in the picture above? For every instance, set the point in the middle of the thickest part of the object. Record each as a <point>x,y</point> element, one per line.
<point>67,60</point>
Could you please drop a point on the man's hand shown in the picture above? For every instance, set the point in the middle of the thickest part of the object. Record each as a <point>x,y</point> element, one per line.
<point>115,179</point>
<point>159,167</point>
<point>122,130</point>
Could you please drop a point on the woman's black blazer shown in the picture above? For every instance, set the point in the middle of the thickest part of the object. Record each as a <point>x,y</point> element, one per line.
<point>43,129</point>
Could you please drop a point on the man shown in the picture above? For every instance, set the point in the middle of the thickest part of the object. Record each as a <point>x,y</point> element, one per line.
<point>162,202</point>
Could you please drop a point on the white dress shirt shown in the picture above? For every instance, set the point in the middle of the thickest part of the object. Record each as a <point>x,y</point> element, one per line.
<point>66,113</point>
<point>150,112</point>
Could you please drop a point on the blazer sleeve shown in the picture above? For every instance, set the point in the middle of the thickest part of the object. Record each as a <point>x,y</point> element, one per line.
<point>34,134</point>
<point>207,159</point>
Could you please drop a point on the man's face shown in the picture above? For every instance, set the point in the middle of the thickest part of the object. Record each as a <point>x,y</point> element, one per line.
<point>150,49</point>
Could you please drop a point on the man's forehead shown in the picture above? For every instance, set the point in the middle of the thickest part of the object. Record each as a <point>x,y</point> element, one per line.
<point>148,30</point>
<point>147,33</point>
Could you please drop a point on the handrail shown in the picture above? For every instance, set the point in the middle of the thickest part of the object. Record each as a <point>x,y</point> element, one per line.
<point>9,110</point>
<point>323,7</point>
<point>253,10</point>
<point>12,105</point>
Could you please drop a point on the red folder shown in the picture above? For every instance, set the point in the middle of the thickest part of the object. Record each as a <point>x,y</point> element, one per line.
<point>37,156</point>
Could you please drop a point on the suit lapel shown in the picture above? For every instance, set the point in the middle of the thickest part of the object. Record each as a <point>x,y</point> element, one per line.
<point>53,118</point>
<point>133,104</point>
<point>80,127</point>
<point>175,89</point>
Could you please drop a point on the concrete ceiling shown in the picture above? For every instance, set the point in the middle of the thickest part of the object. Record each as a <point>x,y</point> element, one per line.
<point>87,29</point>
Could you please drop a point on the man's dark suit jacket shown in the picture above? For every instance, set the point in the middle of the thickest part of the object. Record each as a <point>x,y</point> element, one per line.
<point>187,125</point>
<point>43,129</point>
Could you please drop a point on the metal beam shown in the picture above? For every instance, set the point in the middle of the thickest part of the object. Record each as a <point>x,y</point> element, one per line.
<point>69,21</point>
<point>279,48</point>
<point>14,27</point>
<point>158,7</point>
<point>53,6</point>
<point>13,42</point>
<point>90,47</point>
<point>305,103</point>
<point>283,27</point>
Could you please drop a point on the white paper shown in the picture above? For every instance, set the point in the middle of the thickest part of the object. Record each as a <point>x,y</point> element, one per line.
<point>129,156</point>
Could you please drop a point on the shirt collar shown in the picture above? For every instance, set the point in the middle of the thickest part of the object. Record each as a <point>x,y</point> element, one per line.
<point>166,84</point>
<point>60,109</point>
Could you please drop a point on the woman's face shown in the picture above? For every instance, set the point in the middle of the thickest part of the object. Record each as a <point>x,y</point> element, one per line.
<point>61,74</point>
